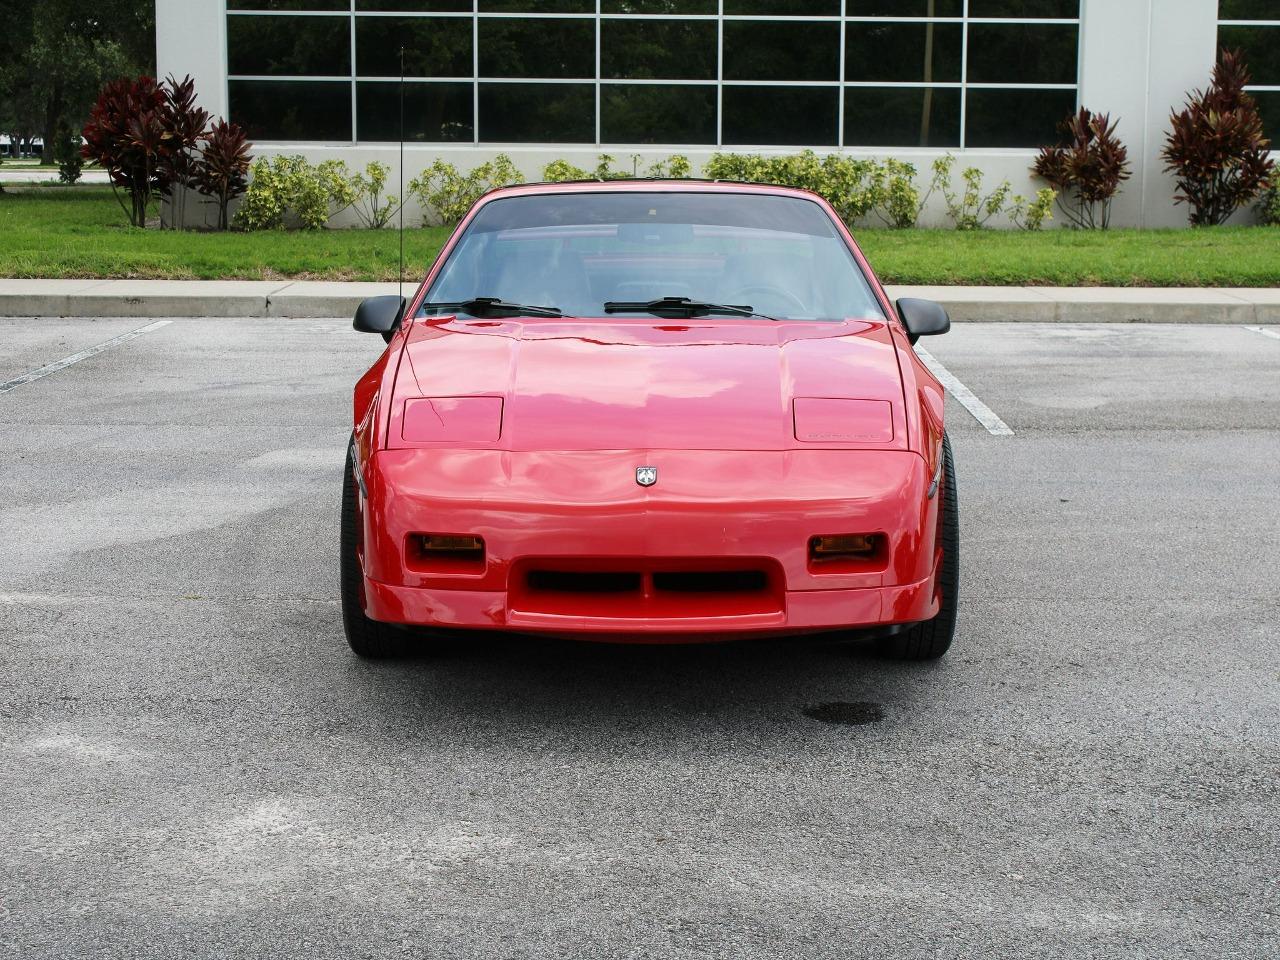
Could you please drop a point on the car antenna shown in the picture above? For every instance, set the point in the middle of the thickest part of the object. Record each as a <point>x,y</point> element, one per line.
<point>400,285</point>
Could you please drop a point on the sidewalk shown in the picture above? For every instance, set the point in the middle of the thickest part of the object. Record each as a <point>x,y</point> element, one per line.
<point>311,298</point>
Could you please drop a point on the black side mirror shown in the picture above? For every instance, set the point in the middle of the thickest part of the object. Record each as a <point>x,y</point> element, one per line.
<point>380,315</point>
<point>923,318</point>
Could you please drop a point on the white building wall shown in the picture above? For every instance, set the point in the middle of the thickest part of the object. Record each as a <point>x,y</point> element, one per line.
<point>1138,61</point>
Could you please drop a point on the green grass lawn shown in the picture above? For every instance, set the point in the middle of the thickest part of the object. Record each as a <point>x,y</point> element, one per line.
<point>81,232</point>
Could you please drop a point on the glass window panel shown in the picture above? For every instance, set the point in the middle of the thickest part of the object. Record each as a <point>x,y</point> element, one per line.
<point>649,113</point>
<point>760,50</point>
<point>660,7</point>
<point>288,5</point>
<point>1248,10</point>
<point>289,46</point>
<point>902,117</point>
<point>904,8</point>
<point>538,6</point>
<point>1025,9</point>
<point>1023,52</point>
<point>1016,118</point>
<point>416,6</point>
<point>537,112</point>
<point>783,8</point>
<point>550,49</point>
<point>785,116</point>
<point>1269,107</point>
<point>658,49</point>
<point>1261,48</point>
<point>288,110</point>
<point>903,52</point>
<point>432,47</point>
<point>433,112</point>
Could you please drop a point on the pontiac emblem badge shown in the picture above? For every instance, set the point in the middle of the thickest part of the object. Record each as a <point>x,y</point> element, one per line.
<point>646,476</point>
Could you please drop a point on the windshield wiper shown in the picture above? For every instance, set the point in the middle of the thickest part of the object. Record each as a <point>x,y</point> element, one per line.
<point>682,305</point>
<point>486,306</point>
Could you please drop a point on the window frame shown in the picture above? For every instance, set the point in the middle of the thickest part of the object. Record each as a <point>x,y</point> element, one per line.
<point>598,17</point>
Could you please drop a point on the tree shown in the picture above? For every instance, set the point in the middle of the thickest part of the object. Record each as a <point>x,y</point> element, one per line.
<point>55,55</point>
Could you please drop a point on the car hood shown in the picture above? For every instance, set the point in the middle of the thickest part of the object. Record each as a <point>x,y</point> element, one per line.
<point>639,384</point>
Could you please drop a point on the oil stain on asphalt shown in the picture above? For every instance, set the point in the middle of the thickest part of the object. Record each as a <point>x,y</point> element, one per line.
<point>846,714</point>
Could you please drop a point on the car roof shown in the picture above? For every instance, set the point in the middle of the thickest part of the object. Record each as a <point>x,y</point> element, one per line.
<point>645,184</point>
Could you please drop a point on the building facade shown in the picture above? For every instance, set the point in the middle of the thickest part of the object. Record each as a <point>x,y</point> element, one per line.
<point>987,80</point>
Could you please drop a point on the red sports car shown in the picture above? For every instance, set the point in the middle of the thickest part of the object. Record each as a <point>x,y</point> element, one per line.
<point>650,411</point>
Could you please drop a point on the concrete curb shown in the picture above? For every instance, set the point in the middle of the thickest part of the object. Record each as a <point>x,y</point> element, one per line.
<point>313,298</point>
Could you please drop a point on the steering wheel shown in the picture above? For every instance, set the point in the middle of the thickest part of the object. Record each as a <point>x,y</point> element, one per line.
<point>772,294</point>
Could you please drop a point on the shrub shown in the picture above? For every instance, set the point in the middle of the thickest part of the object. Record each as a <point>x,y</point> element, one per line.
<point>127,136</point>
<point>442,189</point>
<point>675,167</point>
<point>1087,169</point>
<point>222,169</point>
<point>186,126</point>
<point>1269,206</point>
<point>972,210</point>
<point>289,191</point>
<point>562,171</point>
<point>1216,147</point>
<point>855,187</point>
<point>370,206</point>
<point>66,150</point>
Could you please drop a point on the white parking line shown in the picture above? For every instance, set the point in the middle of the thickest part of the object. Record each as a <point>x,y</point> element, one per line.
<point>65,362</point>
<point>1265,332</point>
<point>981,412</point>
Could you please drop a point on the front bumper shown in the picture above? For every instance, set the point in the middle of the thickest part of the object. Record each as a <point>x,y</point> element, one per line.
<point>710,512</point>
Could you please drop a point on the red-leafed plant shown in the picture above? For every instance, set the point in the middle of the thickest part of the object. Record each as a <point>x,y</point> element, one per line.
<point>1087,169</point>
<point>187,125</point>
<point>222,169</point>
<point>128,136</point>
<point>1217,148</point>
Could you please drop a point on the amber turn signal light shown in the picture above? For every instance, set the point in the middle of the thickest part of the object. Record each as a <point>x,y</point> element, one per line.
<point>441,543</point>
<point>844,546</point>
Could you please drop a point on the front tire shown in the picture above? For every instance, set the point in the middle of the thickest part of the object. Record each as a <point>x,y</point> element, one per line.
<point>932,638</point>
<point>368,638</point>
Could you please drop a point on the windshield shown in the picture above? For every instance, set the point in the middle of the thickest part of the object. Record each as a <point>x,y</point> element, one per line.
<point>598,254</point>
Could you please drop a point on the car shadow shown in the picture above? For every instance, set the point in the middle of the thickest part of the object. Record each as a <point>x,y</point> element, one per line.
<point>739,693</point>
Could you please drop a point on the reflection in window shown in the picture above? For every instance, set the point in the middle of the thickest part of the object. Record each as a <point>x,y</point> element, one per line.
<point>787,116</point>
<point>659,7</point>
<point>658,49</point>
<point>433,112</point>
<point>292,110</point>
<point>902,116</point>
<point>1023,52</point>
<point>903,52</point>
<point>289,46</point>
<point>415,6</point>
<point>545,49</point>
<point>904,8</point>
<point>1261,49</point>
<point>432,47</point>
<point>537,6</point>
<point>651,113</point>
<point>763,50</point>
<point>537,112</point>
<point>783,8</point>
<point>1025,9</point>
<point>1015,118</point>
<point>287,5</point>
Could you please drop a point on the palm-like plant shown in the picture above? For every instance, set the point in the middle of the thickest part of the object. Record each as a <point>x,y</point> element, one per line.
<point>222,169</point>
<point>1087,169</point>
<point>1217,149</point>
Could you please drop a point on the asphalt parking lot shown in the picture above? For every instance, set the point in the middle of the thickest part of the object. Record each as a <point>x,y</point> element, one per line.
<point>195,766</point>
